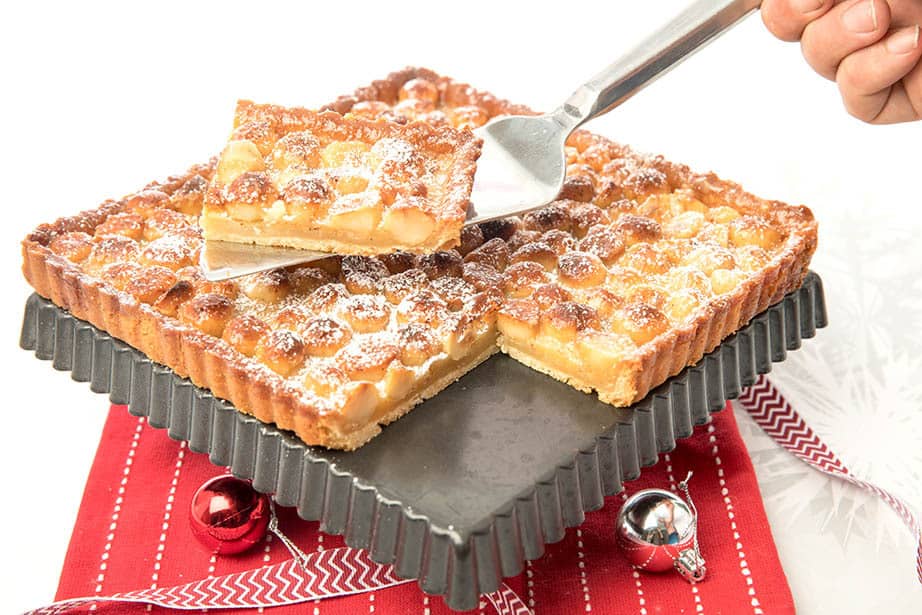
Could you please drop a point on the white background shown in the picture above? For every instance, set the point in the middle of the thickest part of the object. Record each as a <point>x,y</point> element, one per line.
<point>98,100</point>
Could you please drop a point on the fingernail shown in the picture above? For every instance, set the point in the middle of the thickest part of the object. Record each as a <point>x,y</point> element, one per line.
<point>861,17</point>
<point>903,41</point>
<point>807,6</point>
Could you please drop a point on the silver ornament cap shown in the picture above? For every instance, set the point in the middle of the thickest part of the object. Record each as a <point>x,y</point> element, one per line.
<point>658,531</point>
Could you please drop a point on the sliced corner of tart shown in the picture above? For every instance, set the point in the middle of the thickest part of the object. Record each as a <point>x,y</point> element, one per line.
<point>350,185</point>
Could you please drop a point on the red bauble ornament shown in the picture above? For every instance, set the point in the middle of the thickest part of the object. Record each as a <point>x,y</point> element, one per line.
<point>228,516</point>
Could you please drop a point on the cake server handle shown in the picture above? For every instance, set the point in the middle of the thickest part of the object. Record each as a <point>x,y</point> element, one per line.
<point>691,30</point>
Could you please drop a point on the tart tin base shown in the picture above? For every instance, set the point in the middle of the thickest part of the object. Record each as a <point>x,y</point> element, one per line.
<point>465,488</point>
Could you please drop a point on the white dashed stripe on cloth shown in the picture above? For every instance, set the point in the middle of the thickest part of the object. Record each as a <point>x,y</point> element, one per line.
<point>266,559</point>
<point>583,579</point>
<point>731,516</point>
<point>371,602</point>
<point>117,509</point>
<point>530,584</point>
<point>212,562</point>
<point>426,610</point>
<point>674,487</point>
<point>316,610</point>
<point>640,599</point>
<point>167,515</point>
<point>637,583</point>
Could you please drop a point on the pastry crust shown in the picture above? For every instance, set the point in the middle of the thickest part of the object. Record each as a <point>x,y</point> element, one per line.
<point>638,270</point>
<point>319,181</point>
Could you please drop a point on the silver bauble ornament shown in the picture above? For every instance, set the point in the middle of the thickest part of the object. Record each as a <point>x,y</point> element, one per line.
<point>657,531</point>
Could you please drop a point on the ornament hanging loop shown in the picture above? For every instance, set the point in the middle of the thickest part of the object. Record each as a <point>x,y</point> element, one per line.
<point>299,555</point>
<point>690,564</point>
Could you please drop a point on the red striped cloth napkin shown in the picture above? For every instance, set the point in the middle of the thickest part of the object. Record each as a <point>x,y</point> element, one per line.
<point>132,532</point>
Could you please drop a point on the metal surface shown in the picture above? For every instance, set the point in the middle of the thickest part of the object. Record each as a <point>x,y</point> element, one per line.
<point>225,260</point>
<point>522,165</point>
<point>699,24</point>
<point>460,492</point>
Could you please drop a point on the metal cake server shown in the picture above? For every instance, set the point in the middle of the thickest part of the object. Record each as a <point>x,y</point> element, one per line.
<point>522,164</point>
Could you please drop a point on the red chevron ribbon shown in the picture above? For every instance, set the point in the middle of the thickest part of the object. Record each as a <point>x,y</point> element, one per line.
<point>778,419</point>
<point>325,574</point>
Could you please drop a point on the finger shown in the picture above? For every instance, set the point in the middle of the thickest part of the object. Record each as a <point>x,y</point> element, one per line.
<point>905,102</point>
<point>867,78</point>
<point>905,13</point>
<point>913,84</point>
<point>787,19</point>
<point>848,27</point>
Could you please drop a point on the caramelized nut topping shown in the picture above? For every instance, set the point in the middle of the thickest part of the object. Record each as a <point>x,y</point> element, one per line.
<point>564,320</point>
<point>244,332</point>
<point>635,229</point>
<point>522,278</point>
<point>268,286</point>
<point>150,283</point>
<point>368,360</point>
<point>581,269</point>
<point>641,322</point>
<point>283,351</point>
<point>554,216</point>
<point>72,246</point>
<point>471,239</point>
<point>604,243</point>
<point>493,253</point>
<point>537,252</point>
<point>323,336</point>
<point>207,312</point>
<point>169,302</point>
<point>162,222</point>
<point>423,307</point>
<point>417,344</point>
<point>365,313</point>
<point>577,189</point>
<point>128,225</point>
<point>306,279</point>
<point>112,249</point>
<point>171,251</point>
<point>752,231</point>
<point>502,228</point>
<point>363,274</point>
<point>440,264</point>
<point>549,295</point>
<point>482,277</point>
<point>398,262</point>
<point>398,286</point>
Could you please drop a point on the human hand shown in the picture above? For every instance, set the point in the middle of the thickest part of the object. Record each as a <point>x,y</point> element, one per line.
<point>870,48</point>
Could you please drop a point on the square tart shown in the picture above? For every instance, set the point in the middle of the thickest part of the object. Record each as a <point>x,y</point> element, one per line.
<point>639,269</point>
<point>298,178</point>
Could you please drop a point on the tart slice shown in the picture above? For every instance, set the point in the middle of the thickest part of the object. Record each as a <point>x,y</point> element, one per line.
<point>315,180</point>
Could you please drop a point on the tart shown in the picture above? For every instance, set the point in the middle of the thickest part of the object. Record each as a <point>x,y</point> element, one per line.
<point>298,178</point>
<point>635,272</point>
